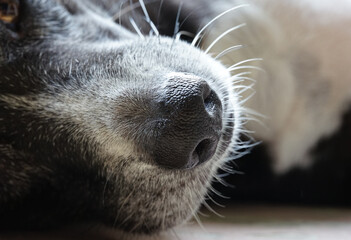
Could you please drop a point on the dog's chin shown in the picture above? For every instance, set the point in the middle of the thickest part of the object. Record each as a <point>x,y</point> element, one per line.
<point>156,199</point>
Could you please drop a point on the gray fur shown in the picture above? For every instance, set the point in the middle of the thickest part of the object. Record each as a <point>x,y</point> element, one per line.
<point>78,94</point>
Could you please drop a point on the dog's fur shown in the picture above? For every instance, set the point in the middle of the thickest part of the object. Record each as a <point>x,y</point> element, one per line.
<point>78,92</point>
<point>79,103</point>
<point>305,86</point>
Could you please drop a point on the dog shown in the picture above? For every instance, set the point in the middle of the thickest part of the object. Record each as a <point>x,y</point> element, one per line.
<point>112,115</point>
<point>103,126</point>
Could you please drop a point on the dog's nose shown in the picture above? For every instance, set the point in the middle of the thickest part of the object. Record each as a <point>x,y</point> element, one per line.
<point>192,112</point>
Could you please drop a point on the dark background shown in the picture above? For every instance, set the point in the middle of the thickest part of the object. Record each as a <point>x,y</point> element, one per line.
<point>326,182</point>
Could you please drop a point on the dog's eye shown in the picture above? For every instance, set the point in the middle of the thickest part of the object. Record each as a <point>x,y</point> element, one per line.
<point>9,10</point>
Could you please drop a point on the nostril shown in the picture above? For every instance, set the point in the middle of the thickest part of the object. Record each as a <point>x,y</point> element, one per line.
<point>204,151</point>
<point>194,122</point>
<point>212,103</point>
<point>206,92</point>
<point>207,98</point>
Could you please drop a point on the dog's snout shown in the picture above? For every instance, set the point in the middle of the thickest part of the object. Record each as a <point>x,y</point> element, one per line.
<point>193,122</point>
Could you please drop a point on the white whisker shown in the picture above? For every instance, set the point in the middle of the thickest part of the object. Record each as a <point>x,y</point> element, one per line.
<point>240,155</point>
<point>196,38</point>
<point>253,112</point>
<point>238,75</point>
<point>248,146</point>
<point>175,234</point>
<point>216,203</point>
<point>246,61</point>
<point>218,193</point>
<point>212,210</point>
<point>176,26</point>
<point>183,33</point>
<point>136,28</point>
<point>245,88</point>
<point>159,13</point>
<point>236,87</point>
<point>242,102</point>
<point>124,11</point>
<point>228,50</point>
<point>231,68</point>
<point>223,35</point>
<point>220,179</point>
<point>245,78</point>
<point>148,19</point>
<point>202,214</point>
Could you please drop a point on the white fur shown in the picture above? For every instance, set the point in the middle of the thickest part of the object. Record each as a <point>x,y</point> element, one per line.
<point>305,84</point>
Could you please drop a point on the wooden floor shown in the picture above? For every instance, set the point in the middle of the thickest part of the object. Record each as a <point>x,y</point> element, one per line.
<point>272,223</point>
<point>241,222</point>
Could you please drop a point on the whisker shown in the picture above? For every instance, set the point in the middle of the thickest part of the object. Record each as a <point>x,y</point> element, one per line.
<point>242,102</point>
<point>231,68</point>
<point>197,219</point>
<point>236,87</point>
<point>220,179</point>
<point>196,38</point>
<point>175,234</point>
<point>253,112</point>
<point>240,155</point>
<point>218,193</point>
<point>249,136</point>
<point>249,145</point>
<point>227,168</point>
<point>119,14</point>
<point>216,203</point>
<point>189,15</point>
<point>159,14</point>
<point>183,33</point>
<point>251,119</point>
<point>176,26</point>
<point>164,215</point>
<point>122,205</point>
<point>212,210</point>
<point>123,11</point>
<point>246,61</point>
<point>228,50</point>
<point>245,78</point>
<point>136,28</point>
<point>202,214</point>
<point>242,74</point>
<point>245,88</point>
<point>105,186</point>
<point>223,35</point>
<point>128,9</point>
<point>148,19</point>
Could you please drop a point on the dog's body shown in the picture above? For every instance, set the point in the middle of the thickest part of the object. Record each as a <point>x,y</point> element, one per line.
<point>90,132</point>
<point>305,87</point>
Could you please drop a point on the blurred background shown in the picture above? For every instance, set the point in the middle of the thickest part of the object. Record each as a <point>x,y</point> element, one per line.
<point>326,183</point>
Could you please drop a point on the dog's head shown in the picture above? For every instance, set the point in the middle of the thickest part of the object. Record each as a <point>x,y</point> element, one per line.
<point>101,125</point>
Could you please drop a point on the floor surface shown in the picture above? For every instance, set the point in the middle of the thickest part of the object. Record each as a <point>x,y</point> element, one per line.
<point>272,223</point>
<point>241,222</point>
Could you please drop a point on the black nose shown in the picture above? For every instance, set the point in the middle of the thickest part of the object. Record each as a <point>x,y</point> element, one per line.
<point>191,112</point>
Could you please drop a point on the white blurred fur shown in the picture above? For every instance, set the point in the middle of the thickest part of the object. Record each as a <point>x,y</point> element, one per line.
<point>305,84</point>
